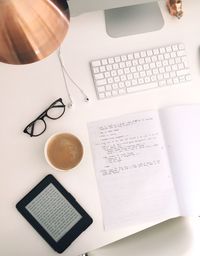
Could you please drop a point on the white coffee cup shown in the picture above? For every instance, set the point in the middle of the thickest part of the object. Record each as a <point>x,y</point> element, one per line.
<point>63,151</point>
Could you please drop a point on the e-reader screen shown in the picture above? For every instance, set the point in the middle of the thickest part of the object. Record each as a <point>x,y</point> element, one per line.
<point>54,213</point>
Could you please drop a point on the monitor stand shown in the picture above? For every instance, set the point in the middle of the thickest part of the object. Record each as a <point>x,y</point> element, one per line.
<point>135,19</point>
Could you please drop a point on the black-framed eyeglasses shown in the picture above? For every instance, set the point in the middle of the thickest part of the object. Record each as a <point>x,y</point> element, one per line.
<point>38,126</point>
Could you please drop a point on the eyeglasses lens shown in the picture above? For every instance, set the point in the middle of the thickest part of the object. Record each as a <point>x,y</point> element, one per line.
<point>39,127</point>
<point>55,112</point>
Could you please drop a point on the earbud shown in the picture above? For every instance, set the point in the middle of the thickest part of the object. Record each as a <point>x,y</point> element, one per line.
<point>69,105</point>
<point>86,99</point>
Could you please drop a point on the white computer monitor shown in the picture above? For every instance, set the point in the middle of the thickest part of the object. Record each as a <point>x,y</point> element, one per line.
<point>123,17</point>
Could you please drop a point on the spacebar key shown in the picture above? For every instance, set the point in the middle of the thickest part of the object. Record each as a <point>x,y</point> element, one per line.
<point>138,88</point>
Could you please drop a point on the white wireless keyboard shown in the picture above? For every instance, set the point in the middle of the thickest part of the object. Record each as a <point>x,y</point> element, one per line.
<point>141,70</point>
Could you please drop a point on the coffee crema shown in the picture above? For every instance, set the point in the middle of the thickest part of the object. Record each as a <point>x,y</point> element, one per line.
<point>64,151</point>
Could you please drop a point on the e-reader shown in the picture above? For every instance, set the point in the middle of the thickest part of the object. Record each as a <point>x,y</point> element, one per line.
<point>54,213</point>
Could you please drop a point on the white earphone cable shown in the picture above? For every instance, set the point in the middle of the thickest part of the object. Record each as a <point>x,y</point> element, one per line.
<point>65,81</point>
<point>64,70</point>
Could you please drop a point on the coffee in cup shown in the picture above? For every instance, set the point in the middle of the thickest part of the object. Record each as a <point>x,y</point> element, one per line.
<point>63,151</point>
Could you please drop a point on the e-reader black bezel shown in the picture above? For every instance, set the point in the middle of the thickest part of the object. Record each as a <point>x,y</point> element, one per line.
<point>73,233</point>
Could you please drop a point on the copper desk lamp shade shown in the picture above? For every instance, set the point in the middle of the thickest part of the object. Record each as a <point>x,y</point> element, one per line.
<point>30,30</point>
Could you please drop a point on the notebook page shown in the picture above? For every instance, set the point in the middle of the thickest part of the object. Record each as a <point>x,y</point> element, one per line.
<point>133,176</point>
<point>181,127</point>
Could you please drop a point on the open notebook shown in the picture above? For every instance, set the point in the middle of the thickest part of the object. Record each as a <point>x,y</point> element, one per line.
<point>148,165</point>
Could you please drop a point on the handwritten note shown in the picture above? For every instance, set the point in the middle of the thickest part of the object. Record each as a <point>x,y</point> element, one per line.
<point>132,170</point>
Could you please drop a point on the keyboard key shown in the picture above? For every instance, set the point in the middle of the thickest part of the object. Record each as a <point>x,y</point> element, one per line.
<point>147,59</point>
<point>176,80</point>
<point>101,82</point>
<point>117,79</point>
<point>121,85</point>
<point>120,72</point>
<point>113,73</point>
<point>115,93</point>
<point>96,63</point>
<point>122,91</point>
<point>169,49</point>
<point>101,95</point>
<point>155,51</point>
<point>149,73</point>
<point>124,58</point>
<point>130,76</point>
<point>102,69</point>
<point>115,66</point>
<point>101,89</point>
<point>108,87</point>
<point>108,94</point>
<point>104,62</point>
<point>188,77</point>
<point>175,47</point>
<point>149,53</point>
<point>126,71</point>
<point>109,67</point>
<point>130,56</point>
<point>128,83</point>
<point>96,70</point>
<point>182,79</point>
<point>110,80</point>
<point>169,81</point>
<point>134,82</point>
<point>162,50</point>
<point>143,54</point>
<point>107,74</point>
<point>123,78</point>
<point>141,81</point>
<point>115,86</point>
<point>111,60</point>
<point>122,65</point>
<point>180,53</point>
<point>142,87</point>
<point>137,55</point>
<point>98,76</point>
<point>162,83</point>
<point>117,59</point>
<point>147,80</point>
<point>181,46</point>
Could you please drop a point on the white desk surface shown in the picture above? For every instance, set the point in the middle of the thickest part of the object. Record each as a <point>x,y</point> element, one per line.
<point>28,90</point>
